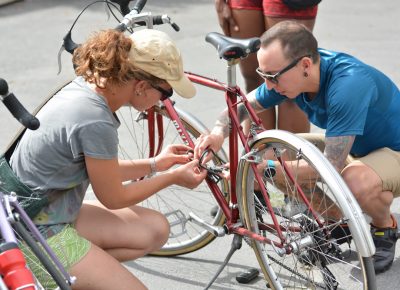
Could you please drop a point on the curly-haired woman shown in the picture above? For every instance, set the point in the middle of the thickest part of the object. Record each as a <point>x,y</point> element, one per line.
<point>77,145</point>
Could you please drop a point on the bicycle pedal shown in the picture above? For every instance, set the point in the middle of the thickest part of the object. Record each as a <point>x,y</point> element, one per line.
<point>247,276</point>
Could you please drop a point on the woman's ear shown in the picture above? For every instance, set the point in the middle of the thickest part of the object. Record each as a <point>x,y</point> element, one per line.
<point>140,87</point>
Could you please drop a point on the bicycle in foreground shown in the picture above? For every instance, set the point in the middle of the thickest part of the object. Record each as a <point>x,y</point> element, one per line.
<point>305,235</point>
<point>19,236</point>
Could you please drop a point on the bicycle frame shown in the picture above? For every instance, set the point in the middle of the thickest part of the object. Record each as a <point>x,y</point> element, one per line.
<point>13,268</point>
<point>11,213</point>
<point>233,96</point>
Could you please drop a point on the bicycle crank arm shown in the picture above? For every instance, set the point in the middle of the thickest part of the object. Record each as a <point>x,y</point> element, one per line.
<point>216,231</point>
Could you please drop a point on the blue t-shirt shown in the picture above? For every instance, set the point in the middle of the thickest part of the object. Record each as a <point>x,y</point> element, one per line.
<point>353,99</point>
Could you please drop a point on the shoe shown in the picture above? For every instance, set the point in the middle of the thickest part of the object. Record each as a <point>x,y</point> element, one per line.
<point>385,243</point>
<point>247,276</point>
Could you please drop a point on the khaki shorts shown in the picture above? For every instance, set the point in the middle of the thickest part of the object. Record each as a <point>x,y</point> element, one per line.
<point>68,246</point>
<point>384,161</point>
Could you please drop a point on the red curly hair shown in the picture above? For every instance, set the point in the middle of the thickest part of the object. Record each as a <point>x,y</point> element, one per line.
<point>104,59</point>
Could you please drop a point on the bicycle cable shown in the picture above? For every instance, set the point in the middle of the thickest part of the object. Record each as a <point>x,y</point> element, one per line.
<point>108,3</point>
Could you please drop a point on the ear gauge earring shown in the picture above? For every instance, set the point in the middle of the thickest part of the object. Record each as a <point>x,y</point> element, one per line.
<point>305,74</point>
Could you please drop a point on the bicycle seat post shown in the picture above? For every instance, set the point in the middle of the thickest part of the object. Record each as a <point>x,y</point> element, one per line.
<point>231,72</point>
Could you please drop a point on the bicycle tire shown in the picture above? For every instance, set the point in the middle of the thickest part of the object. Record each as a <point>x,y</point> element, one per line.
<point>318,257</point>
<point>132,146</point>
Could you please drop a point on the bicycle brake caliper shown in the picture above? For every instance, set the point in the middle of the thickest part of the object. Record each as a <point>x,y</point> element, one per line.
<point>252,157</point>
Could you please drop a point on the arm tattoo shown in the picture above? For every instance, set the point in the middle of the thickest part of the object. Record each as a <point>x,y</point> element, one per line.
<point>337,149</point>
<point>243,114</point>
<point>222,123</point>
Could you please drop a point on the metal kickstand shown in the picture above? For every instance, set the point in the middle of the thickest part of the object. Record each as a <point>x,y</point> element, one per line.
<point>236,245</point>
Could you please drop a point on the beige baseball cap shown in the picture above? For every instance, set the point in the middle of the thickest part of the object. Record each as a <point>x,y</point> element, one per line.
<point>154,52</point>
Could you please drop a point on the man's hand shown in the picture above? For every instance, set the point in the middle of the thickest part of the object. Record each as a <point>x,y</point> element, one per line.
<point>225,17</point>
<point>173,154</point>
<point>212,141</point>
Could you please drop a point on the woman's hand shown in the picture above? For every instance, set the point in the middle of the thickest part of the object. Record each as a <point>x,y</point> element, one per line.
<point>173,154</point>
<point>189,175</point>
<point>212,141</point>
<point>225,17</point>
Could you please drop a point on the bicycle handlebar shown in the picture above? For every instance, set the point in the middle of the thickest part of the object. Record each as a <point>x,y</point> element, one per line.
<point>16,108</point>
<point>131,19</point>
<point>145,19</point>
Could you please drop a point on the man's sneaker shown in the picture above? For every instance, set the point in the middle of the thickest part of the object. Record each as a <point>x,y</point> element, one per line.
<point>385,243</point>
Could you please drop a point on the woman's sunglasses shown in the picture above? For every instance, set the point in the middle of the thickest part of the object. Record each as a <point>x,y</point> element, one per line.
<point>274,78</point>
<point>165,93</point>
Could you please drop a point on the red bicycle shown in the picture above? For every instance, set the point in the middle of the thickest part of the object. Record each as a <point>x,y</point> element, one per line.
<point>307,232</point>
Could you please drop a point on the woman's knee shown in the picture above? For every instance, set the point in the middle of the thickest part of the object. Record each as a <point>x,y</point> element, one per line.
<point>159,229</point>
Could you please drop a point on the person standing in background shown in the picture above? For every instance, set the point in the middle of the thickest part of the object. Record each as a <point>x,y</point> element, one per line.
<point>250,18</point>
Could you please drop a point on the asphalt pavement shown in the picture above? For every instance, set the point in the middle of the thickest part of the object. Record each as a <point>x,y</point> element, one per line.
<point>30,36</point>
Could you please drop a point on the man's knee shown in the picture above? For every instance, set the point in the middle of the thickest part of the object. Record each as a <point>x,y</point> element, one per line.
<point>363,183</point>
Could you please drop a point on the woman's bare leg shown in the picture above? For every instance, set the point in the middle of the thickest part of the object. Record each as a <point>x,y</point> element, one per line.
<point>126,233</point>
<point>116,235</point>
<point>98,263</point>
<point>253,28</point>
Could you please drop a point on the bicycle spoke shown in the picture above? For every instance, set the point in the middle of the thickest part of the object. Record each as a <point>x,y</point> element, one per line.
<point>175,202</point>
<point>315,250</point>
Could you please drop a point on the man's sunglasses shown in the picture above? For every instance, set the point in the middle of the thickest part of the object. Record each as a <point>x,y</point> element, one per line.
<point>274,78</point>
<point>165,93</point>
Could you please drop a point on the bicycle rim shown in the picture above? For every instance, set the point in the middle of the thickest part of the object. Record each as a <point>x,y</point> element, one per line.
<point>174,202</point>
<point>322,253</point>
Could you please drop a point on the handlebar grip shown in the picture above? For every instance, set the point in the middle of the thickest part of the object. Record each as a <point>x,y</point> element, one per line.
<point>69,44</point>
<point>16,108</point>
<point>157,20</point>
<point>3,87</point>
<point>123,5</point>
<point>139,5</point>
<point>175,26</point>
<point>161,19</point>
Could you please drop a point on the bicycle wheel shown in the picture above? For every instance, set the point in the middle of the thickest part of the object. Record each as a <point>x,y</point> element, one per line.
<point>325,242</point>
<point>174,202</point>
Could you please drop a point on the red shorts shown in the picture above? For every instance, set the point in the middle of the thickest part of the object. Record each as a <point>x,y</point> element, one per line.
<point>274,8</point>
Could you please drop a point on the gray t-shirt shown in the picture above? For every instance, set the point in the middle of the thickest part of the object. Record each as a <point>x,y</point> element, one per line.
<point>74,123</point>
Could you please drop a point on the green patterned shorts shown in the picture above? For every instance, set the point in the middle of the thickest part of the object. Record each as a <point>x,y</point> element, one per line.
<point>68,246</point>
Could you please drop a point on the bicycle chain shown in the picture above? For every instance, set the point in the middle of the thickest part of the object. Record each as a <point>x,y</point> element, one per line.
<point>296,273</point>
<point>247,240</point>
